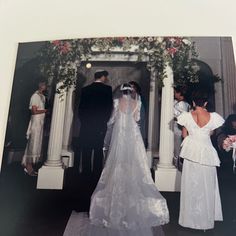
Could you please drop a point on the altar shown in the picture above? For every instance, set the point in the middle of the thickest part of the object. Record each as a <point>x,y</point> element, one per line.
<point>160,136</point>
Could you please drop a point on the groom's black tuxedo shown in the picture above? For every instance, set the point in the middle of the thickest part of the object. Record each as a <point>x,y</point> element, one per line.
<point>94,112</point>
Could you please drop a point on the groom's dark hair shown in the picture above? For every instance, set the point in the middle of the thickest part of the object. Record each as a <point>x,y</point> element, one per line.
<point>99,74</point>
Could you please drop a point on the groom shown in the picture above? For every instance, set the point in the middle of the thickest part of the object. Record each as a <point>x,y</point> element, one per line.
<point>94,112</point>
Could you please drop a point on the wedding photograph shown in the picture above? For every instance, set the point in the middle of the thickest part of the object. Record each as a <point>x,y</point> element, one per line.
<point>121,136</point>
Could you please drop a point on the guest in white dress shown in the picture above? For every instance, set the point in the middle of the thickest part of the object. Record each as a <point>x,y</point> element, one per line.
<point>35,130</point>
<point>180,105</point>
<point>200,203</point>
<point>142,122</point>
<point>126,198</point>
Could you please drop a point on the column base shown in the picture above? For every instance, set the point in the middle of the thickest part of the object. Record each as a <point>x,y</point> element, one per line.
<point>50,177</point>
<point>168,179</point>
<point>70,155</point>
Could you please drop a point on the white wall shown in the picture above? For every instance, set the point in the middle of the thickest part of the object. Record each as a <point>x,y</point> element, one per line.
<point>29,20</point>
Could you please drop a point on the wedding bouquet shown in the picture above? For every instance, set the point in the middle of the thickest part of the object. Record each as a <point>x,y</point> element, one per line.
<point>230,144</point>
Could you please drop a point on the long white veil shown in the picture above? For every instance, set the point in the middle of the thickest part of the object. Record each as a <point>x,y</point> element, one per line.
<point>126,201</point>
<point>126,103</point>
<point>126,196</point>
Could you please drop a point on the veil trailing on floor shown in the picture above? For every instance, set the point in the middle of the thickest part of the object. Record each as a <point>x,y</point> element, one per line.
<point>126,196</point>
<point>126,201</point>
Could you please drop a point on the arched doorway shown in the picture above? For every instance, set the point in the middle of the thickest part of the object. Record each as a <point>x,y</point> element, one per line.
<point>206,82</point>
<point>119,72</point>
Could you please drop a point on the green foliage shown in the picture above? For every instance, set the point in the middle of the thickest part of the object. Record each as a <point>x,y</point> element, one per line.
<point>61,59</point>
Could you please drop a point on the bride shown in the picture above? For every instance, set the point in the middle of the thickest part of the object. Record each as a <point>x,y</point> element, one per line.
<point>126,201</point>
<point>126,196</point>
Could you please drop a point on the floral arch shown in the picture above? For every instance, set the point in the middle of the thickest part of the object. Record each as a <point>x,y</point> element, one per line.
<point>61,59</point>
<point>165,57</point>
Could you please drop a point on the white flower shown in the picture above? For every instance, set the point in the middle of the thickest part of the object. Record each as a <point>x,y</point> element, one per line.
<point>150,39</point>
<point>186,41</point>
<point>195,67</point>
<point>77,63</point>
<point>150,51</point>
<point>125,224</point>
<point>159,39</point>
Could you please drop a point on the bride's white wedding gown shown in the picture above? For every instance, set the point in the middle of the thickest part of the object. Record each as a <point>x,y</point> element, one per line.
<point>126,200</point>
<point>126,196</point>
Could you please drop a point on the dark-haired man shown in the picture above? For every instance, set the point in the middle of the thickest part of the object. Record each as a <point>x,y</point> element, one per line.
<point>94,112</point>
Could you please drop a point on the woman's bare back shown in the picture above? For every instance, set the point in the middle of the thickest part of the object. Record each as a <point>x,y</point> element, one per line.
<point>127,105</point>
<point>201,117</point>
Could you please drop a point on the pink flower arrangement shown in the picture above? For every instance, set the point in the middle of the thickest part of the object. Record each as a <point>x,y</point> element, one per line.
<point>56,42</point>
<point>121,39</point>
<point>178,41</point>
<point>173,45</point>
<point>172,51</point>
<point>64,47</point>
<point>229,143</point>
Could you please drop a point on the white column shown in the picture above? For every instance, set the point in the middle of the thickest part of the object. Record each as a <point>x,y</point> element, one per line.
<point>67,132</point>
<point>151,116</point>
<point>167,177</point>
<point>51,174</point>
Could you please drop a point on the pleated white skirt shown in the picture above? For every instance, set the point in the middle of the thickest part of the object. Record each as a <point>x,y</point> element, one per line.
<point>200,204</point>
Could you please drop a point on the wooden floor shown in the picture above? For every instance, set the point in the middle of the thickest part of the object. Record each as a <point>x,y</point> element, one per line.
<point>26,211</point>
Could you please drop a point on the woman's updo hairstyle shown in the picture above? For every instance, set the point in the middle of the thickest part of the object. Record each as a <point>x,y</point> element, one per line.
<point>199,97</point>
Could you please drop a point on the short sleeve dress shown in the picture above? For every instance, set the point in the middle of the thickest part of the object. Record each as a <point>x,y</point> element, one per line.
<point>179,108</point>
<point>34,132</point>
<point>200,203</point>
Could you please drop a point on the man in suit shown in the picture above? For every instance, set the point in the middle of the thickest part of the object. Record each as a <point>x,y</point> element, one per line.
<point>94,112</point>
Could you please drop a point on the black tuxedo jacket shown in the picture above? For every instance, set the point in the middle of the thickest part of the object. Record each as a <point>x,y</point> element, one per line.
<point>94,112</point>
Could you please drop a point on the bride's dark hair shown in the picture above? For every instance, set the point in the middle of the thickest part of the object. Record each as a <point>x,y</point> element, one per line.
<point>136,86</point>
